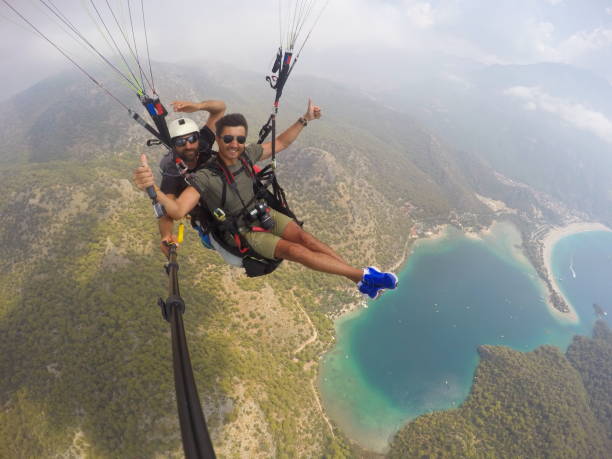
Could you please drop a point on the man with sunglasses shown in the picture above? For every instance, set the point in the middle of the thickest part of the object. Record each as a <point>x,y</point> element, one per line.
<point>282,238</point>
<point>192,145</point>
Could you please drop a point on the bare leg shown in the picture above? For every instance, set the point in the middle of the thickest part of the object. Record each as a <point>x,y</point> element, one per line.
<point>294,233</point>
<point>316,260</point>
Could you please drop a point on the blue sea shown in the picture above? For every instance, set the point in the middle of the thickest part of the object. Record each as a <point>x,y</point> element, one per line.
<point>414,350</point>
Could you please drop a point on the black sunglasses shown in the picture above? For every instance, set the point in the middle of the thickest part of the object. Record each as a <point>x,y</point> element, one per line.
<point>229,138</point>
<point>182,141</point>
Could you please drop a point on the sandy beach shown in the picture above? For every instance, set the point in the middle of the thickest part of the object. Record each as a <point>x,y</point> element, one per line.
<point>481,234</point>
<point>552,237</point>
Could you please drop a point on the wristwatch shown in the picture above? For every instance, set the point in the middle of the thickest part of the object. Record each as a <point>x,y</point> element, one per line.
<point>303,120</point>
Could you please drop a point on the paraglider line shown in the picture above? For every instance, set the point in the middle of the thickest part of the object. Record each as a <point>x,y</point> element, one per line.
<point>115,44</point>
<point>144,23</point>
<point>134,41</point>
<point>76,31</point>
<point>67,56</point>
<point>310,31</point>
<point>127,42</point>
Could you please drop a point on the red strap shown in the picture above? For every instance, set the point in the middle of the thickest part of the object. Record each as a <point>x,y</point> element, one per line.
<point>239,244</point>
<point>228,174</point>
<point>259,229</point>
<point>247,168</point>
<point>229,177</point>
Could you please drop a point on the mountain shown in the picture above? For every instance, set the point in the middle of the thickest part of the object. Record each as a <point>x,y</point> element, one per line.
<point>544,125</point>
<point>41,127</point>
<point>533,404</point>
<point>85,350</point>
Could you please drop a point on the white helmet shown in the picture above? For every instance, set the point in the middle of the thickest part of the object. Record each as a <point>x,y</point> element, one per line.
<point>181,127</point>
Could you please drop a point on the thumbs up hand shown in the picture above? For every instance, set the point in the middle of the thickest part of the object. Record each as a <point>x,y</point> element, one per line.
<point>143,176</point>
<point>313,112</point>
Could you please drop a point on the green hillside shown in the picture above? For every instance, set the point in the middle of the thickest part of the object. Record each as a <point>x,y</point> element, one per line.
<point>86,353</point>
<point>536,404</point>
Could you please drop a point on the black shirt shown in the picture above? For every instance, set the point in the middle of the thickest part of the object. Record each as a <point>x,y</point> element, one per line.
<point>172,182</point>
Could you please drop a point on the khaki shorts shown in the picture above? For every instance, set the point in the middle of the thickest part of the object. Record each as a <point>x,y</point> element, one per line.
<point>265,243</point>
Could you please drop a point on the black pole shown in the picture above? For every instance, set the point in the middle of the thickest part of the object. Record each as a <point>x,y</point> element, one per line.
<point>196,440</point>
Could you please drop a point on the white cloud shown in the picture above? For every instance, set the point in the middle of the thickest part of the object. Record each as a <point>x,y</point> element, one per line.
<point>401,24</point>
<point>585,42</point>
<point>517,32</point>
<point>531,106</point>
<point>420,14</point>
<point>541,35</point>
<point>350,23</point>
<point>540,41</point>
<point>573,113</point>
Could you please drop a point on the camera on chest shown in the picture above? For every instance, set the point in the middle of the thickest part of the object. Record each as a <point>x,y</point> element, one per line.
<point>260,213</point>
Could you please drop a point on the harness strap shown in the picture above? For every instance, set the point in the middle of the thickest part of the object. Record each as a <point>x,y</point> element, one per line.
<point>231,181</point>
<point>224,194</point>
<point>230,225</point>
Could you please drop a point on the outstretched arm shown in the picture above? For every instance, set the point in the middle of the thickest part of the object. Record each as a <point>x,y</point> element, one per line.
<point>215,109</point>
<point>313,112</point>
<point>175,208</point>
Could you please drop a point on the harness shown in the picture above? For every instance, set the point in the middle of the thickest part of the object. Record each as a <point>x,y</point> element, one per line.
<point>219,223</point>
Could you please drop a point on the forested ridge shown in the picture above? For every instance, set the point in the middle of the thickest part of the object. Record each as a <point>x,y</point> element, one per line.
<point>535,404</point>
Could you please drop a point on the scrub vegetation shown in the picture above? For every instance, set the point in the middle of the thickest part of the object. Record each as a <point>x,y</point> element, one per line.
<point>534,404</point>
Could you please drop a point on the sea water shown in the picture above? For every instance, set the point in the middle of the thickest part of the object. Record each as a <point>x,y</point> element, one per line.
<point>414,350</point>
<point>582,266</point>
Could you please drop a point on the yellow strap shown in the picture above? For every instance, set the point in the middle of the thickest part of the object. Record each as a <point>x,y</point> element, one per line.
<point>181,232</point>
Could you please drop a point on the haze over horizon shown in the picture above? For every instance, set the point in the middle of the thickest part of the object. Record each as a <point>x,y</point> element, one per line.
<point>366,43</point>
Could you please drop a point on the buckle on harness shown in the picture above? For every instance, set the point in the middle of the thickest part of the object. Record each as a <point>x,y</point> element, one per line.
<point>219,214</point>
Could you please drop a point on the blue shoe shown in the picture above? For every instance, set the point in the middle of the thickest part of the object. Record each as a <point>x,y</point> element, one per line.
<point>374,278</point>
<point>367,289</point>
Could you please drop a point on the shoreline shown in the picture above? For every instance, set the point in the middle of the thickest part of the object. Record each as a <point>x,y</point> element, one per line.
<point>550,239</point>
<point>438,232</point>
<point>547,243</point>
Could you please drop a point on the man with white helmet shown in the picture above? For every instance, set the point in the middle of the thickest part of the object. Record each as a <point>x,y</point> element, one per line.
<point>192,145</point>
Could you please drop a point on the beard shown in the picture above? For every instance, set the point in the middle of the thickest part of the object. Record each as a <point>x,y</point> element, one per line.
<point>188,155</point>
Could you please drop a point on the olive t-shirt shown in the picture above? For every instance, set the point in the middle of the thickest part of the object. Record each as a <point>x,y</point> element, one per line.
<point>211,184</point>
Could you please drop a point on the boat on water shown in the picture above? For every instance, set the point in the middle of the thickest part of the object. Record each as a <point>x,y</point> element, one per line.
<point>599,311</point>
<point>571,267</point>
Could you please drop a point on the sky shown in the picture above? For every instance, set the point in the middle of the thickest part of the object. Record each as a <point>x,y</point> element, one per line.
<point>354,40</point>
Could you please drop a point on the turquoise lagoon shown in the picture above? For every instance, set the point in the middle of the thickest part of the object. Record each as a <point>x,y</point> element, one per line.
<point>414,350</point>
